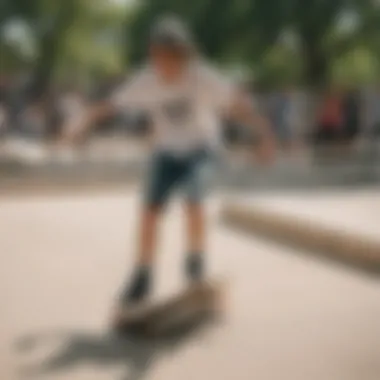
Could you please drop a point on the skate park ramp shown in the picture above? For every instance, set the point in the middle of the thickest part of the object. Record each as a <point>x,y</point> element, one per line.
<point>64,258</point>
<point>343,224</point>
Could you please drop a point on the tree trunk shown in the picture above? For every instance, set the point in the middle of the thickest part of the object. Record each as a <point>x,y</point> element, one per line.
<point>50,45</point>
<point>316,66</point>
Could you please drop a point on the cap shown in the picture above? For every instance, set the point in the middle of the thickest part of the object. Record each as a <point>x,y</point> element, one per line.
<point>171,31</point>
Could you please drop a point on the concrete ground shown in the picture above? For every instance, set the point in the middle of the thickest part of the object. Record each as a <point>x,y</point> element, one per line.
<point>63,258</point>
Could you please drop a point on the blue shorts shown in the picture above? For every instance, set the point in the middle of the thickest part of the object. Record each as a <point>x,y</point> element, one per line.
<point>168,172</point>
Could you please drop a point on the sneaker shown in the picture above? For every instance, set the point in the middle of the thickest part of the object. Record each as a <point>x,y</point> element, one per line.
<point>138,290</point>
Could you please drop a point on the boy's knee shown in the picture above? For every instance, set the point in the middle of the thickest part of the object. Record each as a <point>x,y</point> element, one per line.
<point>153,208</point>
<point>194,210</point>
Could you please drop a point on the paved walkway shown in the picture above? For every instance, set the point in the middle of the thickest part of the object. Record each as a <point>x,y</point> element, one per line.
<point>63,258</point>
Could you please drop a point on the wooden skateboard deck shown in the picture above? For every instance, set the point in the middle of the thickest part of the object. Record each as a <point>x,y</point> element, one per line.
<point>154,319</point>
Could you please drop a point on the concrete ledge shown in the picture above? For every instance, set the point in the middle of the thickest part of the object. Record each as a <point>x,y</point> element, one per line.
<point>354,248</point>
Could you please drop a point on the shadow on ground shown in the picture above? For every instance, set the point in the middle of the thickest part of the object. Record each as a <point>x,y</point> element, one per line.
<point>134,356</point>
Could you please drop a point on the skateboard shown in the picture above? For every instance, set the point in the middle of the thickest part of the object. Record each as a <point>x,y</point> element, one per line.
<point>200,301</point>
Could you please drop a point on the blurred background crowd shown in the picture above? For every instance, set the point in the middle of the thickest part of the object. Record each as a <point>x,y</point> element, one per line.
<point>312,66</point>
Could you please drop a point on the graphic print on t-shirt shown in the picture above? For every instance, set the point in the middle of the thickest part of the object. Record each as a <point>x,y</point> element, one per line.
<point>178,111</point>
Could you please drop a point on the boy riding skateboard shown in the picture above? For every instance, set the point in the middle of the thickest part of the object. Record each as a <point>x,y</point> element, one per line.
<point>186,99</point>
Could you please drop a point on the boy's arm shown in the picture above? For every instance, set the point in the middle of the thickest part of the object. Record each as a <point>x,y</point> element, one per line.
<point>133,93</point>
<point>234,102</point>
<point>243,111</point>
<point>73,131</point>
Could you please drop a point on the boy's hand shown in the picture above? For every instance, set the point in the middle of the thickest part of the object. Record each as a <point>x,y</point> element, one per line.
<point>70,136</point>
<point>75,131</point>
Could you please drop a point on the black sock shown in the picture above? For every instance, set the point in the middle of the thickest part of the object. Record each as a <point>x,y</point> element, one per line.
<point>195,266</point>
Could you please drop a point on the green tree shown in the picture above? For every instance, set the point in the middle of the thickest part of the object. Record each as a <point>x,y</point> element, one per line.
<point>249,29</point>
<point>68,37</point>
<point>48,22</point>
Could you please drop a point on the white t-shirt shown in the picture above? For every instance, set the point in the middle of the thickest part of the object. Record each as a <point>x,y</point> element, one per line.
<point>185,115</point>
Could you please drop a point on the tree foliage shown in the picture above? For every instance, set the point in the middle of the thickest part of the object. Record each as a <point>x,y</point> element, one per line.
<point>313,41</point>
<point>324,30</point>
<point>67,35</point>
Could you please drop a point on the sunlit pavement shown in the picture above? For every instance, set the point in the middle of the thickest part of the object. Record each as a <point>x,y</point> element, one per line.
<point>63,259</point>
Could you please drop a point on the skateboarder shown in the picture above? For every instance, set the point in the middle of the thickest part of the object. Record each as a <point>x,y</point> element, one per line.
<point>186,99</point>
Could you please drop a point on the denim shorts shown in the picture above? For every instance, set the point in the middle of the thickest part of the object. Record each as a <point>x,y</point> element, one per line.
<point>169,173</point>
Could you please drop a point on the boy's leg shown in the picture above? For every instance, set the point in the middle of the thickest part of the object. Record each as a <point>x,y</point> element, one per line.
<point>196,232</point>
<point>162,180</point>
<point>140,285</point>
<point>195,188</point>
<point>147,236</point>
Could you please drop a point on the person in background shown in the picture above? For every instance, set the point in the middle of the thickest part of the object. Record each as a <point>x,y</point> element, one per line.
<point>3,120</point>
<point>33,120</point>
<point>330,119</point>
<point>294,118</point>
<point>280,103</point>
<point>373,111</point>
<point>351,115</point>
<point>72,107</point>
<point>3,106</point>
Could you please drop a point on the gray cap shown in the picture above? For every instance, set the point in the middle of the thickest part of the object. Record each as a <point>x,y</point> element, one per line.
<point>171,31</point>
